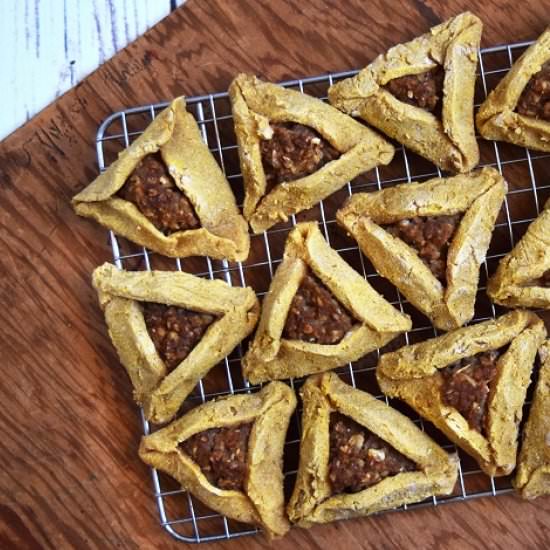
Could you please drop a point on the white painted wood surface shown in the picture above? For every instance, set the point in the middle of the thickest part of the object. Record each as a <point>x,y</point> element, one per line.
<point>47,46</point>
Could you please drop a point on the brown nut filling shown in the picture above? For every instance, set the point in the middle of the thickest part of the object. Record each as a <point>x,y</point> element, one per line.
<point>221,454</point>
<point>535,99</point>
<point>358,458</point>
<point>315,315</point>
<point>152,189</point>
<point>431,237</point>
<point>545,279</point>
<point>294,151</point>
<point>175,331</point>
<point>423,90</point>
<point>467,385</point>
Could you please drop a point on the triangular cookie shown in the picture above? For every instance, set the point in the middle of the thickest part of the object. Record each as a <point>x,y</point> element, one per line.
<point>295,150</point>
<point>167,192</point>
<point>533,474</point>
<point>170,328</point>
<point>394,92</point>
<point>359,456</point>
<point>448,223</point>
<point>471,383</point>
<point>229,454</point>
<point>523,275</point>
<point>518,109</point>
<point>319,313</point>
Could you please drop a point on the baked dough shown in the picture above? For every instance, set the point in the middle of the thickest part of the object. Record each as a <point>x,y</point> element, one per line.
<point>411,374</point>
<point>271,356</point>
<point>450,142</point>
<point>312,500</point>
<point>514,283</point>
<point>255,105</point>
<point>119,295</point>
<point>533,474</point>
<point>262,502</point>
<point>478,195</point>
<point>174,132</point>
<point>497,119</point>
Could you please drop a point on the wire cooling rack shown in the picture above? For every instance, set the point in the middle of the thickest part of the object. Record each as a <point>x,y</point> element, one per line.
<point>529,186</point>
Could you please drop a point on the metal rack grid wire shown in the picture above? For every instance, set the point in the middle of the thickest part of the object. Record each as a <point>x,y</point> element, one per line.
<point>182,515</point>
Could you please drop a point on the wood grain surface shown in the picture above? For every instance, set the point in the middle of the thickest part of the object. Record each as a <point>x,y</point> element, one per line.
<point>70,476</point>
<point>50,45</point>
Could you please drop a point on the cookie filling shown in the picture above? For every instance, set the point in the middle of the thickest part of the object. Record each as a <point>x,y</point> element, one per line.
<point>175,331</point>
<point>431,237</point>
<point>315,315</point>
<point>535,99</point>
<point>467,385</point>
<point>358,458</point>
<point>423,90</point>
<point>294,151</point>
<point>221,454</point>
<point>153,190</point>
<point>544,281</point>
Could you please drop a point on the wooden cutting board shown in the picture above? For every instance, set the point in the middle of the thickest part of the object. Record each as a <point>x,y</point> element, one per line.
<point>70,476</point>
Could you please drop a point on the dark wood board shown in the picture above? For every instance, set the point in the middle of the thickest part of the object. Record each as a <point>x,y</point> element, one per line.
<point>70,475</point>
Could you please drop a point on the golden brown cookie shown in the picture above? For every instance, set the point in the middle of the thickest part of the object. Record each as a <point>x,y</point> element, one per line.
<point>422,93</point>
<point>523,275</point>
<point>295,150</point>
<point>319,313</point>
<point>229,454</point>
<point>429,239</point>
<point>533,473</point>
<point>471,383</point>
<point>515,110</point>
<point>167,192</point>
<point>359,456</point>
<point>170,328</point>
